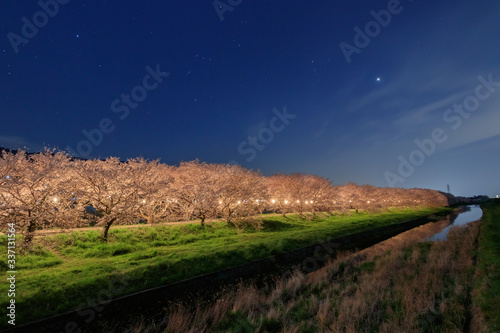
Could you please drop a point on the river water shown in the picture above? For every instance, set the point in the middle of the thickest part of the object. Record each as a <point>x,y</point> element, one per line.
<point>432,231</point>
<point>470,214</point>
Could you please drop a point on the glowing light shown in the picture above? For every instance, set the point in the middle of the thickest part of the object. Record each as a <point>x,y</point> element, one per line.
<point>273,201</point>
<point>286,201</point>
<point>311,201</point>
<point>239,202</point>
<point>220,202</point>
<point>55,199</point>
<point>307,202</point>
<point>143,201</point>
<point>298,201</point>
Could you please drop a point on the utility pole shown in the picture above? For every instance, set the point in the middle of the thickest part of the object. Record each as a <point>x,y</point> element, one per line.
<point>448,188</point>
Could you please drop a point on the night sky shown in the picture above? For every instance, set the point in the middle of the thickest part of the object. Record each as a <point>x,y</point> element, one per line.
<point>341,89</point>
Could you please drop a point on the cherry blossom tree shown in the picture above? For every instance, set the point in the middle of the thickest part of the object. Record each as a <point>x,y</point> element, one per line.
<point>36,192</point>
<point>316,194</point>
<point>242,192</point>
<point>49,190</point>
<point>299,193</point>
<point>196,189</point>
<point>155,193</point>
<point>112,188</point>
<point>281,191</point>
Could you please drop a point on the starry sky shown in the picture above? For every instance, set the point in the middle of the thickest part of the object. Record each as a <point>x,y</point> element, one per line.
<point>389,93</point>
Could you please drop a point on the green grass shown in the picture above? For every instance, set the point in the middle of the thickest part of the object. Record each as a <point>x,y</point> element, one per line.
<point>67,271</point>
<point>489,265</point>
<point>413,287</point>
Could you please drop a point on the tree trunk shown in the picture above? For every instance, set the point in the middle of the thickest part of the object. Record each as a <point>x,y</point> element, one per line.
<point>106,229</point>
<point>28,239</point>
<point>30,234</point>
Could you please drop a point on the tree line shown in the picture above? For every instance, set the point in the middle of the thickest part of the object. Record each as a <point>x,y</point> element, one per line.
<point>53,190</point>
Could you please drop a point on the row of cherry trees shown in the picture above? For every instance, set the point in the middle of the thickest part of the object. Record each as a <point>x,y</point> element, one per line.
<point>50,190</point>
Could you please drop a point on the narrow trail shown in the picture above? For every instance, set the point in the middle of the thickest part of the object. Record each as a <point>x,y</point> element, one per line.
<point>60,231</point>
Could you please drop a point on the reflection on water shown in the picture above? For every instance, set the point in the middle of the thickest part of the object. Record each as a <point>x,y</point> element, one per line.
<point>470,214</point>
<point>428,232</point>
<point>404,239</point>
<point>432,231</point>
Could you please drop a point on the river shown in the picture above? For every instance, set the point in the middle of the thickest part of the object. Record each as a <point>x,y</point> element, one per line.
<point>470,214</point>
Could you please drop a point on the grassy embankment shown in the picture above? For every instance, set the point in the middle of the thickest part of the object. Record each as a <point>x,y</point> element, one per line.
<point>488,274</point>
<point>414,287</point>
<point>61,271</point>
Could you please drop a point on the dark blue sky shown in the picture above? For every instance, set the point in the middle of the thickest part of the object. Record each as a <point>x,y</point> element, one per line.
<point>268,86</point>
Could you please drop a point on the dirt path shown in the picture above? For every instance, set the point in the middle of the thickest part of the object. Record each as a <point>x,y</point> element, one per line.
<point>59,231</point>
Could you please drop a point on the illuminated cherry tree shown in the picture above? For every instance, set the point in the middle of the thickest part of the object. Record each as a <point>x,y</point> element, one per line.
<point>156,202</point>
<point>36,192</point>
<point>112,188</point>
<point>196,187</point>
<point>242,192</point>
<point>280,188</point>
<point>50,190</point>
<point>299,193</point>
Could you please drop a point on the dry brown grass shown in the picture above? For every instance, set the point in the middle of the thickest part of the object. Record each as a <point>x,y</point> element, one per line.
<point>397,286</point>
